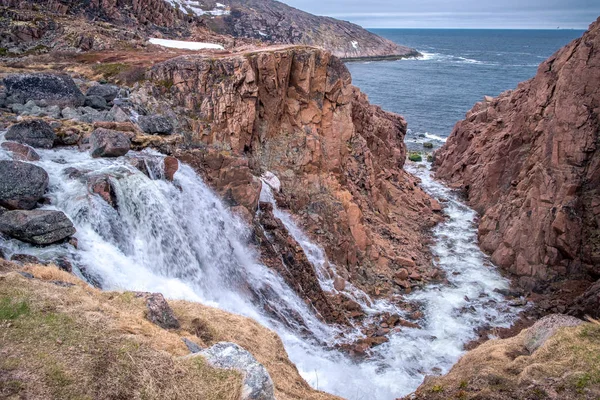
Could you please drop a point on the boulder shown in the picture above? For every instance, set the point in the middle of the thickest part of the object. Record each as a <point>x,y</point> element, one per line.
<point>39,227</point>
<point>257,384</point>
<point>36,133</point>
<point>543,330</point>
<point>55,90</point>
<point>155,124</point>
<point>158,310</point>
<point>21,152</point>
<point>22,185</point>
<point>97,102</point>
<point>109,143</point>
<point>107,92</point>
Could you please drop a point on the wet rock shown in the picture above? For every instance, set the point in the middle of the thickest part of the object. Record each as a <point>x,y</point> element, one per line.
<point>257,383</point>
<point>339,283</point>
<point>155,124</point>
<point>158,311</point>
<point>108,143</point>
<point>97,102</point>
<point>58,90</point>
<point>25,259</point>
<point>40,227</point>
<point>543,330</point>
<point>102,186</point>
<point>21,152</point>
<point>171,165</point>
<point>35,133</point>
<point>22,185</point>
<point>107,92</point>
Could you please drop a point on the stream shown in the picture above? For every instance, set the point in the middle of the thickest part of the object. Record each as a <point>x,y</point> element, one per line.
<point>179,239</point>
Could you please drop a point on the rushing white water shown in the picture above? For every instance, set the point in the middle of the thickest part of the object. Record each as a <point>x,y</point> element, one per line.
<point>177,238</point>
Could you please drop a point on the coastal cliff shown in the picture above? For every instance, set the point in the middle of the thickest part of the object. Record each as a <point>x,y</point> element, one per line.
<point>528,161</point>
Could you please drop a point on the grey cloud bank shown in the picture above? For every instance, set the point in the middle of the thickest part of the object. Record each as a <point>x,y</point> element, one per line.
<point>526,14</point>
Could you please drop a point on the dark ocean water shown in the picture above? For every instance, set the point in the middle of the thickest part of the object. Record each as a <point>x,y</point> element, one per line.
<point>459,67</point>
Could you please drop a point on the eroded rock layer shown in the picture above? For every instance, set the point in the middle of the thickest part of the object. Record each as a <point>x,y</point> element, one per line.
<point>529,162</point>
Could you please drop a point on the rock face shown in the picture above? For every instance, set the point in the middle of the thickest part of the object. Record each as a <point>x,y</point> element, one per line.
<point>22,185</point>
<point>257,381</point>
<point>529,162</point>
<point>109,143</point>
<point>59,90</point>
<point>294,112</point>
<point>41,227</point>
<point>36,133</point>
<point>588,304</point>
<point>279,23</point>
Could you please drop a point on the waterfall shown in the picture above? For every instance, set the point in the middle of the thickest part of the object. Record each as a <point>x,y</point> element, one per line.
<point>178,238</point>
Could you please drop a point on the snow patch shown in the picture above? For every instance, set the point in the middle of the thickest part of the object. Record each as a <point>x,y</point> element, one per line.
<point>195,7</point>
<point>354,44</point>
<point>179,44</point>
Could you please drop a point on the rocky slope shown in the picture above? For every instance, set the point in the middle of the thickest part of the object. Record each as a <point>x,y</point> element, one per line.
<point>529,163</point>
<point>36,27</point>
<point>64,339</point>
<point>277,22</point>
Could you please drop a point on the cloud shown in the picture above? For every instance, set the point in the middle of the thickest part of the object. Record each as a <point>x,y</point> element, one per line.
<point>458,13</point>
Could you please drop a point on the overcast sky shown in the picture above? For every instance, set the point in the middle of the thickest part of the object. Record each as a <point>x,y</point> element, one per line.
<point>457,13</point>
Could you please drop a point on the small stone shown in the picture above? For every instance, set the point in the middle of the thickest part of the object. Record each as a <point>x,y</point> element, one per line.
<point>158,311</point>
<point>192,347</point>
<point>402,274</point>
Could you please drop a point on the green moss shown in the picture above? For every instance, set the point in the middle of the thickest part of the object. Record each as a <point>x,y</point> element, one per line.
<point>11,309</point>
<point>437,389</point>
<point>428,145</point>
<point>415,156</point>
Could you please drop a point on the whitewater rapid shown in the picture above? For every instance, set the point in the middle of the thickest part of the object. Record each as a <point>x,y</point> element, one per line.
<point>179,239</point>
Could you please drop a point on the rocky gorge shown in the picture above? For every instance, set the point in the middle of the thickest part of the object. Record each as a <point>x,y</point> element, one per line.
<point>527,162</point>
<point>260,181</point>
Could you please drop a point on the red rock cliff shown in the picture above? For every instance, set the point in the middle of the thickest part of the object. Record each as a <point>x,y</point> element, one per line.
<point>529,162</point>
<point>294,112</point>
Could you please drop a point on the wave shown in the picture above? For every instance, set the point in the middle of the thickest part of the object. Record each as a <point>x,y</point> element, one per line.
<point>438,57</point>
<point>435,137</point>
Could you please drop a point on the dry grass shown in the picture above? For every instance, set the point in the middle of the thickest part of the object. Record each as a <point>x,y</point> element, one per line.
<point>566,367</point>
<point>81,343</point>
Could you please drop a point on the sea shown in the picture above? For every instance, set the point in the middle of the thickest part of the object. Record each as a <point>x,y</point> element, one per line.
<point>458,68</point>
